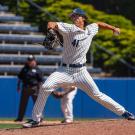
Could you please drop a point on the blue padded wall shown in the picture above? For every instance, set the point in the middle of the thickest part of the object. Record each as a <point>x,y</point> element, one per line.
<point>120,89</point>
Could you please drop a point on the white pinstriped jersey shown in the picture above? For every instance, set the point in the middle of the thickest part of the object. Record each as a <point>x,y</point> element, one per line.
<point>76,45</point>
<point>76,41</point>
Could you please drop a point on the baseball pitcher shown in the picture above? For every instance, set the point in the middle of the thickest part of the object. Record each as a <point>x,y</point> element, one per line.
<point>77,38</point>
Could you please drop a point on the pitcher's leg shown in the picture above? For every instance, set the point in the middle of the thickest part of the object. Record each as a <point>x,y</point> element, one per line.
<point>67,105</point>
<point>88,85</point>
<point>39,105</point>
<point>54,81</point>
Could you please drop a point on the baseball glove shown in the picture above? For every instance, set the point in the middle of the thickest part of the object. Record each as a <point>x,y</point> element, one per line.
<point>58,94</point>
<point>52,39</point>
<point>61,94</point>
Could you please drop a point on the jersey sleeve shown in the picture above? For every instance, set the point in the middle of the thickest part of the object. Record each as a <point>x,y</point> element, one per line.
<point>93,29</point>
<point>64,28</point>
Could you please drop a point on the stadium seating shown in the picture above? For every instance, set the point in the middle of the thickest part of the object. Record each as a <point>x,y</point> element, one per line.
<point>14,69</point>
<point>10,18</point>
<point>15,28</point>
<point>19,39</point>
<point>47,59</point>
<point>3,8</point>
<point>27,49</point>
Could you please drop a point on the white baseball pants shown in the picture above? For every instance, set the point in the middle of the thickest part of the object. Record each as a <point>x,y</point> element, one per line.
<point>79,77</point>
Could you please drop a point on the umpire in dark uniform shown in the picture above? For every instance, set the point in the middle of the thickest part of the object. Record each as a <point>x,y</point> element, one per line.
<point>31,78</point>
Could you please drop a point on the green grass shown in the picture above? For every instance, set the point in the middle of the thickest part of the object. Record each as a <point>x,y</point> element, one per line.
<point>10,126</point>
<point>15,126</point>
<point>5,119</point>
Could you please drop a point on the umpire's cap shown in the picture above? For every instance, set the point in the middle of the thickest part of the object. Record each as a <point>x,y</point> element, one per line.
<point>78,11</point>
<point>30,58</point>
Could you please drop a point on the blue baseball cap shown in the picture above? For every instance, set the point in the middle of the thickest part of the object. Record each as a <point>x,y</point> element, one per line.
<point>78,11</point>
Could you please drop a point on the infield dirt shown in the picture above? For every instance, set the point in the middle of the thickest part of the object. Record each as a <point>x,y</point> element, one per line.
<point>98,127</point>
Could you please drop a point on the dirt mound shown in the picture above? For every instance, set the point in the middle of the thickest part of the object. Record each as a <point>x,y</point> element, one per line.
<point>101,127</point>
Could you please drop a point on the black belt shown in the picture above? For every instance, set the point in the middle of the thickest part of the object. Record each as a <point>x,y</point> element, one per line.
<point>73,65</point>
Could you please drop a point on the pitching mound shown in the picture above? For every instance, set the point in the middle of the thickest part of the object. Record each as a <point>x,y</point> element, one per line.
<point>100,127</point>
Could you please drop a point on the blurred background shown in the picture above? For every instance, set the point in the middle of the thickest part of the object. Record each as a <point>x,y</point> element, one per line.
<point>110,59</point>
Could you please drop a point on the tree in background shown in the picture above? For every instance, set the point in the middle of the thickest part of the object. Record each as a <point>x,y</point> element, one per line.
<point>121,7</point>
<point>123,46</point>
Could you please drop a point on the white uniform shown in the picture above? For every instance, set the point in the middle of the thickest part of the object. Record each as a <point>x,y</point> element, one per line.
<point>76,45</point>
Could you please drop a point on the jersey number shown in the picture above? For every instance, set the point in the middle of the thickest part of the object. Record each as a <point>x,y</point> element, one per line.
<point>75,43</point>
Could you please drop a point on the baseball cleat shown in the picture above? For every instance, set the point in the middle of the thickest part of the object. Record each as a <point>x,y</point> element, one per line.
<point>129,116</point>
<point>31,123</point>
<point>67,121</point>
